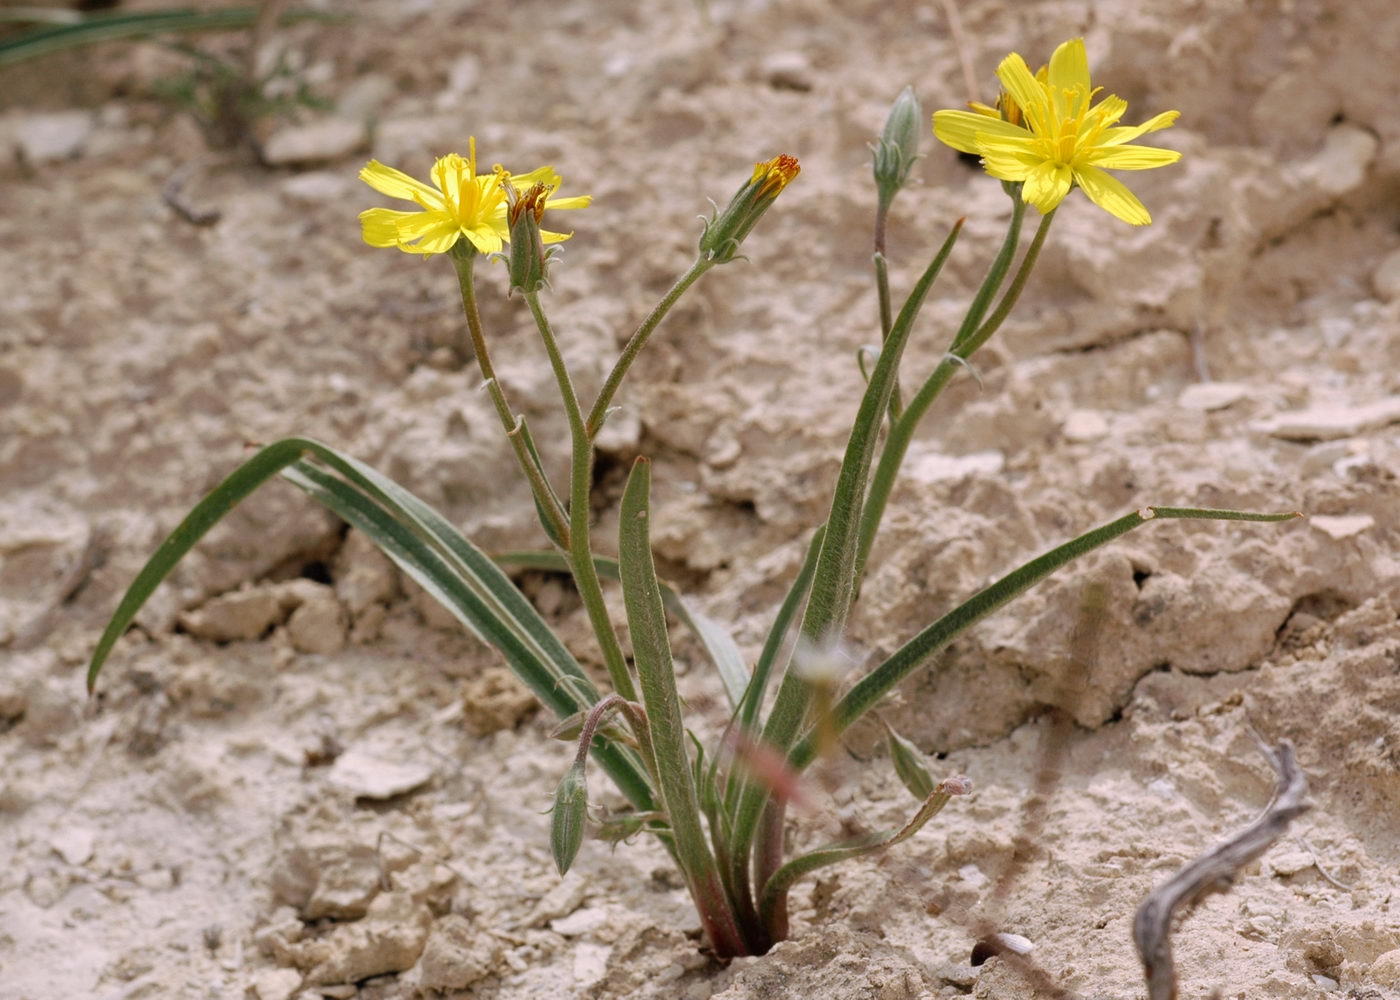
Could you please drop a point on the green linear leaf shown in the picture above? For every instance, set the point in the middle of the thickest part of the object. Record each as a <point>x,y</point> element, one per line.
<point>876,684</point>
<point>95,28</point>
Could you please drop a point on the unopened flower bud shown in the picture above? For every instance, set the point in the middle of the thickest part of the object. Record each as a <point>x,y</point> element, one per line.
<point>898,145</point>
<point>909,765</point>
<point>570,813</point>
<point>528,261</point>
<point>727,229</point>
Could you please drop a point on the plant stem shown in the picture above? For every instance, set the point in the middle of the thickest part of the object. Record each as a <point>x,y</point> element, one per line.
<point>882,288</point>
<point>970,337</point>
<point>599,412</point>
<point>580,488</point>
<point>545,499</point>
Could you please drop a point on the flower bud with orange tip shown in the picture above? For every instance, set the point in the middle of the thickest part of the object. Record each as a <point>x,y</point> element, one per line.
<point>528,261</point>
<point>725,230</point>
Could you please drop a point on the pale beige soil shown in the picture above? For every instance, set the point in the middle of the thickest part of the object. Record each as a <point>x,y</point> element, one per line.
<point>193,833</point>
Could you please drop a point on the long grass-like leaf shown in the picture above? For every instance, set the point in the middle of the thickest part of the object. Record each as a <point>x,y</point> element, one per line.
<point>646,618</point>
<point>719,644</point>
<point>94,28</point>
<point>913,654</point>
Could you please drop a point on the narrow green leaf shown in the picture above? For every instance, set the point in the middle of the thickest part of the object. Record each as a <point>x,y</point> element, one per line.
<point>94,28</point>
<point>719,645</point>
<point>776,889</point>
<point>646,618</point>
<point>913,654</point>
<point>909,765</point>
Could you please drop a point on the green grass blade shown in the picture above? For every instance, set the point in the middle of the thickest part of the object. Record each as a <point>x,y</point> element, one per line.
<point>774,896</point>
<point>207,513</point>
<point>95,28</point>
<point>719,644</point>
<point>913,654</point>
<point>646,618</point>
<point>778,633</point>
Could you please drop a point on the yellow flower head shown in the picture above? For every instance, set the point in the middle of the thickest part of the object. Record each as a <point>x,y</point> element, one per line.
<point>774,175</point>
<point>1047,134</point>
<point>459,203</point>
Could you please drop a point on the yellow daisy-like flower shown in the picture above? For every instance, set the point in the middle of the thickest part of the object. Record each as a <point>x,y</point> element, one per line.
<point>460,203</point>
<point>1047,133</point>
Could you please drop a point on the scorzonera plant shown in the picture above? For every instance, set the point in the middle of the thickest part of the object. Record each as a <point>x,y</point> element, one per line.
<point>719,810</point>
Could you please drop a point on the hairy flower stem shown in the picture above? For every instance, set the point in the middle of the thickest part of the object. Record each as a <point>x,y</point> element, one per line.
<point>580,487</point>
<point>464,257</point>
<point>882,289</point>
<point>599,412</point>
<point>971,336</point>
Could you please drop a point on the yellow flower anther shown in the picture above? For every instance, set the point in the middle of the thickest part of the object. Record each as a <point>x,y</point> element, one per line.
<point>1049,136</point>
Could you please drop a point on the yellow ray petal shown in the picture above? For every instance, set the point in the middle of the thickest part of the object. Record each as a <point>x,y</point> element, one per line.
<point>1118,136</point>
<point>1009,159</point>
<point>439,239</point>
<point>960,129</point>
<point>1069,66</point>
<point>416,225</point>
<point>379,226</point>
<point>1105,113</point>
<point>1046,186</point>
<point>547,176</point>
<point>396,183</point>
<point>1108,193</point>
<point>547,237</point>
<point>1133,157</point>
<point>1016,77</point>
<point>485,239</point>
<point>573,201</point>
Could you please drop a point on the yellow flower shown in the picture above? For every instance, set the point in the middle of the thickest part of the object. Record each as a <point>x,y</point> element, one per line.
<point>459,203</point>
<point>1047,134</point>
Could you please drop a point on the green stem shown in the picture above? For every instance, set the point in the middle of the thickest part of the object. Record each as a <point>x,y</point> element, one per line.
<point>580,487</point>
<point>970,337</point>
<point>464,257</point>
<point>882,288</point>
<point>832,587</point>
<point>599,412</point>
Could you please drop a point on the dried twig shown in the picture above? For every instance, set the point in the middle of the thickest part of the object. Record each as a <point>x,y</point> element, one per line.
<point>955,28</point>
<point>72,580</point>
<point>1214,871</point>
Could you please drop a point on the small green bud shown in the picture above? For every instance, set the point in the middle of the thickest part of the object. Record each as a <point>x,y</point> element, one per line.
<point>726,230</point>
<point>528,261</point>
<point>898,145</point>
<point>570,813</point>
<point>909,765</point>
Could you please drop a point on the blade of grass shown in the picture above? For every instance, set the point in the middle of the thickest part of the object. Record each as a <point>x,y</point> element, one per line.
<point>913,654</point>
<point>646,618</point>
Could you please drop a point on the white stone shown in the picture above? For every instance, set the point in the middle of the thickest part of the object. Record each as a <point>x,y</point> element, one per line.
<point>316,186</point>
<point>1085,425</point>
<point>1326,983</point>
<point>368,777</point>
<point>53,136</point>
<point>1325,423</point>
<point>1290,862</point>
<point>1385,279</point>
<point>1341,526</point>
<point>932,467</point>
<point>590,963</point>
<point>1208,396</point>
<point>789,70</point>
<point>275,984</point>
<point>316,142</point>
<point>1341,165</point>
<point>74,844</point>
<point>580,922</point>
<point>240,615</point>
